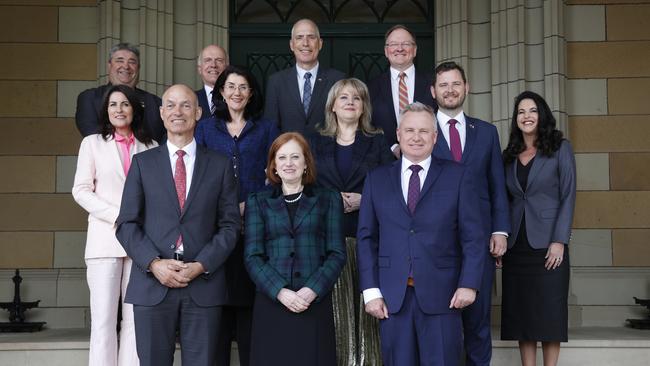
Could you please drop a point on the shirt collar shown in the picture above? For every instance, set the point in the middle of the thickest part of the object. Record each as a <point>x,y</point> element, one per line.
<point>425,164</point>
<point>190,149</point>
<point>443,119</point>
<point>302,72</point>
<point>208,90</point>
<point>410,73</point>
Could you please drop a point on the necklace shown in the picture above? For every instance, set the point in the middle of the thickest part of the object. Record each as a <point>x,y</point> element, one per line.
<point>295,199</point>
<point>235,135</point>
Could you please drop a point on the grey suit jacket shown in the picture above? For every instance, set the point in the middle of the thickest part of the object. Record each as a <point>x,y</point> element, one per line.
<point>151,220</point>
<point>284,104</point>
<point>549,199</point>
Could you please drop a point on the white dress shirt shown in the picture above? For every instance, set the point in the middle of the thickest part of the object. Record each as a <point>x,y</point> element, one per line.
<point>374,293</point>
<point>208,93</point>
<point>461,126</point>
<point>301,79</point>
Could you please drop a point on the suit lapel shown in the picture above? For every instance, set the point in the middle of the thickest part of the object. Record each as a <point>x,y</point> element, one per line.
<point>470,138</point>
<point>432,175</point>
<point>292,85</point>
<point>359,150</point>
<point>387,93</point>
<point>538,164</point>
<point>305,205</point>
<point>317,89</point>
<point>396,179</point>
<point>329,150</point>
<point>441,149</point>
<point>200,164</point>
<point>167,176</point>
<point>279,208</point>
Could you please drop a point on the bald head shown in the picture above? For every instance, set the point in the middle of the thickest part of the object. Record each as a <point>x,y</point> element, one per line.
<point>179,111</point>
<point>211,63</point>
<point>305,43</point>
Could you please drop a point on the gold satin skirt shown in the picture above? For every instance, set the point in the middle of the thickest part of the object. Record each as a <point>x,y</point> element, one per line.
<point>357,333</point>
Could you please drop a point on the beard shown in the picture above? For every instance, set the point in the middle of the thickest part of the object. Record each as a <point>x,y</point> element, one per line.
<point>451,104</point>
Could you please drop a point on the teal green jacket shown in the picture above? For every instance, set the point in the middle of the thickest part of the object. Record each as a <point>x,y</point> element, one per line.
<point>310,253</point>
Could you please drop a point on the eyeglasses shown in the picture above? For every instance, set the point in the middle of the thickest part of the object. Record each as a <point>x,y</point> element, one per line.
<point>401,45</point>
<point>232,87</point>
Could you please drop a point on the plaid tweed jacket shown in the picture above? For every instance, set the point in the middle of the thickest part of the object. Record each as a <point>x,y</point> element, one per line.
<point>310,253</point>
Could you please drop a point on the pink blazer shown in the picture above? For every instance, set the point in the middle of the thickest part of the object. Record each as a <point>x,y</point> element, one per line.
<point>98,185</point>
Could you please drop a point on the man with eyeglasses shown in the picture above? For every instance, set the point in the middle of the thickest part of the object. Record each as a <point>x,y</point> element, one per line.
<point>210,64</point>
<point>123,69</point>
<point>295,97</point>
<point>400,86</point>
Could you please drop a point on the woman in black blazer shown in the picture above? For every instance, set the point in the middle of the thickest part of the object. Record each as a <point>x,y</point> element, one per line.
<point>346,147</point>
<point>541,182</point>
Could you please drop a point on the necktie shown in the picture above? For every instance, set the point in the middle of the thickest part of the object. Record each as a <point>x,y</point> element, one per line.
<point>454,141</point>
<point>403,92</point>
<point>179,182</point>
<point>306,92</point>
<point>211,102</point>
<point>414,188</point>
<point>124,143</point>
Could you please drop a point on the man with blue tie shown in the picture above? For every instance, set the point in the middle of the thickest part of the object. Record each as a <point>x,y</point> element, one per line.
<point>474,144</point>
<point>295,97</point>
<point>210,64</point>
<point>419,247</point>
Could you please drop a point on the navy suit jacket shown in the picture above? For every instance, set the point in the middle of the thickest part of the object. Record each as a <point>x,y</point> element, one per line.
<point>482,157</point>
<point>203,103</point>
<point>89,103</point>
<point>368,152</point>
<point>549,200</point>
<point>150,222</point>
<point>284,105</point>
<point>442,241</point>
<point>383,109</point>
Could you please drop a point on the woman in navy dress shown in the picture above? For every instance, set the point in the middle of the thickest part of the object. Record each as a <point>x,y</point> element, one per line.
<point>237,130</point>
<point>346,148</point>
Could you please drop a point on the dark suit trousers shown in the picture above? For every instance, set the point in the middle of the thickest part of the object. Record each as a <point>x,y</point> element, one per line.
<point>155,330</point>
<point>411,337</point>
<point>476,321</point>
<point>236,323</point>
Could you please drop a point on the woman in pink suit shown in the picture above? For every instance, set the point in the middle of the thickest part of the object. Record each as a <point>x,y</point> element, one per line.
<point>102,167</point>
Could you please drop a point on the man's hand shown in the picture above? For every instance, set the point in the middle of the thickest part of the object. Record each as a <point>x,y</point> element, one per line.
<point>351,201</point>
<point>377,308</point>
<point>462,297</point>
<point>192,270</point>
<point>397,152</point>
<point>292,301</point>
<point>498,245</point>
<point>168,272</point>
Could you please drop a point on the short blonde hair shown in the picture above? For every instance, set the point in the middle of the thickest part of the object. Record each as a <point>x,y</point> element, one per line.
<point>330,126</point>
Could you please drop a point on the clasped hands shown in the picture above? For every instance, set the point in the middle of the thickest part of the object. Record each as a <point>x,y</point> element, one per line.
<point>296,301</point>
<point>175,274</point>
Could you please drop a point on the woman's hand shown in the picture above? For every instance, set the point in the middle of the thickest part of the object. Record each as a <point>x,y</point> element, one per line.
<point>554,256</point>
<point>307,294</point>
<point>292,301</point>
<point>351,201</point>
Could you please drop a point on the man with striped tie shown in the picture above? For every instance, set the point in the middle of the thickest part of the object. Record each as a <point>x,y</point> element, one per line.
<point>401,85</point>
<point>210,64</point>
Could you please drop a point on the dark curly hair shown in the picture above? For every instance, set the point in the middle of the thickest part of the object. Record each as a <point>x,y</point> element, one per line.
<point>253,109</point>
<point>138,127</point>
<point>548,138</point>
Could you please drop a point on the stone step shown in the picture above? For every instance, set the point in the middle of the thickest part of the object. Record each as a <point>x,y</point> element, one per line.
<point>593,346</point>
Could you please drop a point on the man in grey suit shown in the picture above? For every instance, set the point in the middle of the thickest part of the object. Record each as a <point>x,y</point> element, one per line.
<point>295,97</point>
<point>178,221</point>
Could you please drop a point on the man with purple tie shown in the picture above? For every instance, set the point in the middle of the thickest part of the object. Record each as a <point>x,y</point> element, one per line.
<point>474,144</point>
<point>419,247</point>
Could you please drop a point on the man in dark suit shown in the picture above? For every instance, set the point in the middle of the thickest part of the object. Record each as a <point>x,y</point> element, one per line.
<point>210,64</point>
<point>123,68</point>
<point>475,144</point>
<point>295,97</point>
<point>178,221</point>
<point>400,85</point>
<point>419,247</point>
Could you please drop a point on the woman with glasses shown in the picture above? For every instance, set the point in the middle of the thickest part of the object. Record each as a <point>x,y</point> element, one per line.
<point>237,130</point>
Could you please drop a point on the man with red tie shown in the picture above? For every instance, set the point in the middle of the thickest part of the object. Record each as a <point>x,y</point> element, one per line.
<point>178,221</point>
<point>474,144</point>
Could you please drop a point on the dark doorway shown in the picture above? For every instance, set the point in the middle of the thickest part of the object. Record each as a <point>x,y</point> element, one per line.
<point>352,31</point>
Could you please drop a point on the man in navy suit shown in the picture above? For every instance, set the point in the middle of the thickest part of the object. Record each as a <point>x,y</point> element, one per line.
<point>295,97</point>
<point>475,144</point>
<point>400,50</point>
<point>179,221</point>
<point>419,247</point>
<point>123,69</point>
<point>210,64</point>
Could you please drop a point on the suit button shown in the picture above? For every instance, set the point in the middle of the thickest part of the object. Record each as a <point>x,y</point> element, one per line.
<point>292,254</point>
<point>173,246</point>
<point>297,274</point>
<point>412,231</point>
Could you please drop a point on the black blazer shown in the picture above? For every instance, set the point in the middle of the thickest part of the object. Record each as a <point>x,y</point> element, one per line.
<point>368,152</point>
<point>203,103</point>
<point>151,220</point>
<point>284,105</point>
<point>89,103</point>
<point>383,109</point>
